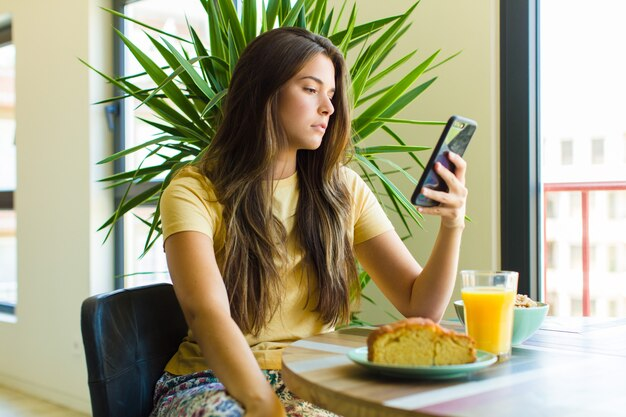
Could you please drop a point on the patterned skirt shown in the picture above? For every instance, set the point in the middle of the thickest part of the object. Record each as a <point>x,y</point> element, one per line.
<point>202,395</point>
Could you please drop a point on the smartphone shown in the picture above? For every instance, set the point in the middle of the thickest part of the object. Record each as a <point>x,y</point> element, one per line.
<point>455,137</point>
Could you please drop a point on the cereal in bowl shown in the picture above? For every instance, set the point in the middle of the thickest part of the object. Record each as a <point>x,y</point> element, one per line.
<point>524,301</point>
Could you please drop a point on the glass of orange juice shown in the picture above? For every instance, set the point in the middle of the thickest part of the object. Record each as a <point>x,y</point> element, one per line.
<point>488,299</point>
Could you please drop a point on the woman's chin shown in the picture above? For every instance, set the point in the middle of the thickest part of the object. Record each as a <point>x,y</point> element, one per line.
<point>312,146</point>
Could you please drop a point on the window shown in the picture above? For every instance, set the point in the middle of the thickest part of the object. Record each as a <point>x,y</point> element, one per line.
<point>597,151</point>
<point>567,152</point>
<point>551,255</point>
<point>611,205</point>
<point>612,258</point>
<point>595,254</point>
<point>8,240</point>
<point>594,178</point>
<point>616,205</point>
<point>131,268</point>
<point>538,53</point>
<point>574,205</point>
<point>552,205</point>
<point>575,257</point>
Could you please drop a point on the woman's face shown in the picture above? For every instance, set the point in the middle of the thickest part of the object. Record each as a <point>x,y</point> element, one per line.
<point>304,104</point>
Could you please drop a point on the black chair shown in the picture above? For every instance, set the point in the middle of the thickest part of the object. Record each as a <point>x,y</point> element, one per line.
<point>129,335</point>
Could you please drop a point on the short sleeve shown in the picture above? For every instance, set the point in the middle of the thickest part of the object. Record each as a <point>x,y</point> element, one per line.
<point>189,204</point>
<point>369,218</point>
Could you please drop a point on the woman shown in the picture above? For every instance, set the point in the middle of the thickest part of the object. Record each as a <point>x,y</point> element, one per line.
<point>261,237</point>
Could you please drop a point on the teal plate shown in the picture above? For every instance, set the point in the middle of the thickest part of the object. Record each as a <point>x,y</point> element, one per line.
<point>483,360</point>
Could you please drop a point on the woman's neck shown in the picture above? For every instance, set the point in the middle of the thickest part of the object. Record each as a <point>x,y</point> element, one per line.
<point>285,165</point>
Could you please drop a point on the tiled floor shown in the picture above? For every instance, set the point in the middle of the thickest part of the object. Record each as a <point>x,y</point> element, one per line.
<point>17,404</point>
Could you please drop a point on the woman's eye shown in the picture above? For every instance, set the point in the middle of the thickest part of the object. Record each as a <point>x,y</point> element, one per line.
<point>310,90</point>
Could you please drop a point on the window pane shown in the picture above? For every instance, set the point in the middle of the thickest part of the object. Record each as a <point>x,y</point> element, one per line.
<point>7,118</point>
<point>8,242</point>
<point>170,17</point>
<point>8,258</point>
<point>150,268</point>
<point>586,122</point>
<point>567,152</point>
<point>616,205</point>
<point>552,205</point>
<point>563,256</point>
<point>551,255</point>
<point>597,151</point>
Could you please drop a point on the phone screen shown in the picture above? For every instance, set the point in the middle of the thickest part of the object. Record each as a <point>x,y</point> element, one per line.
<point>455,137</point>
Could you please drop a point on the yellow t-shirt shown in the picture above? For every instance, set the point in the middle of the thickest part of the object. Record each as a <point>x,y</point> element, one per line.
<point>189,204</point>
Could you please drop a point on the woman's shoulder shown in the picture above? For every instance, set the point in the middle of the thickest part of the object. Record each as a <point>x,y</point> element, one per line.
<point>352,180</point>
<point>191,179</point>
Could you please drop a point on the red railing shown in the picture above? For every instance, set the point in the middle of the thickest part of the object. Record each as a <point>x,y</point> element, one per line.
<point>584,188</point>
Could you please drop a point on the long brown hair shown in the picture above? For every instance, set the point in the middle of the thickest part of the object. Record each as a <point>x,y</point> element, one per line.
<point>239,163</point>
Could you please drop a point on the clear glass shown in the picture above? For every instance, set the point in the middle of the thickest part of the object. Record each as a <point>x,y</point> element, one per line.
<point>150,268</point>
<point>488,299</point>
<point>607,259</point>
<point>8,258</point>
<point>172,17</point>
<point>8,172</point>
<point>583,140</point>
<point>7,118</point>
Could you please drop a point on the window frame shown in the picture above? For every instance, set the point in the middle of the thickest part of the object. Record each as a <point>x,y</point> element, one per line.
<point>7,198</point>
<point>115,113</point>
<point>520,187</point>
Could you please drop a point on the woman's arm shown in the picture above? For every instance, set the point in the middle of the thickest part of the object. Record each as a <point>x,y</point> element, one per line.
<point>414,291</point>
<point>202,295</point>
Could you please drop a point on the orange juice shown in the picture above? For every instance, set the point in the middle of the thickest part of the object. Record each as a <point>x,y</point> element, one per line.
<point>489,317</point>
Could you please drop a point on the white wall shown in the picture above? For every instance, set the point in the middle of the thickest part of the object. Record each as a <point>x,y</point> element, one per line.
<point>59,138</point>
<point>469,86</point>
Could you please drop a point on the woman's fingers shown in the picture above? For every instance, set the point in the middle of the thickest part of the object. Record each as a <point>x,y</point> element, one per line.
<point>455,182</point>
<point>460,166</point>
<point>452,203</point>
<point>450,198</point>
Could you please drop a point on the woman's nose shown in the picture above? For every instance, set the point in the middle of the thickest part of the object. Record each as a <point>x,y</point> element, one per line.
<point>326,107</point>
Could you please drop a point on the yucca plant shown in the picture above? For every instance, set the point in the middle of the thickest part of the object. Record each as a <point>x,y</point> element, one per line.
<point>186,95</point>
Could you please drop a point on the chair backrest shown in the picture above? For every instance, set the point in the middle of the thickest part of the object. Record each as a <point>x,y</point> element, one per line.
<point>129,335</point>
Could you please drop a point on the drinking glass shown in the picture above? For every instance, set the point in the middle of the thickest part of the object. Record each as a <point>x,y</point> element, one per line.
<point>488,299</point>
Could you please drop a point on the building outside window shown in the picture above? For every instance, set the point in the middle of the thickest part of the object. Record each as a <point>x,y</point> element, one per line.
<point>8,239</point>
<point>567,152</point>
<point>616,205</point>
<point>552,206</point>
<point>597,151</point>
<point>575,204</point>
<point>585,129</point>
<point>551,254</point>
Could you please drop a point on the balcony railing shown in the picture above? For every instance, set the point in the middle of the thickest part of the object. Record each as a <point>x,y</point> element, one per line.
<point>584,188</point>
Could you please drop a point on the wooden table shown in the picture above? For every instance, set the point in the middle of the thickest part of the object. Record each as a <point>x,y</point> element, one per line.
<point>570,368</point>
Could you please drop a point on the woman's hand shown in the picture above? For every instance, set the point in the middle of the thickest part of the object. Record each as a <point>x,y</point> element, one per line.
<point>452,203</point>
<point>267,407</point>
